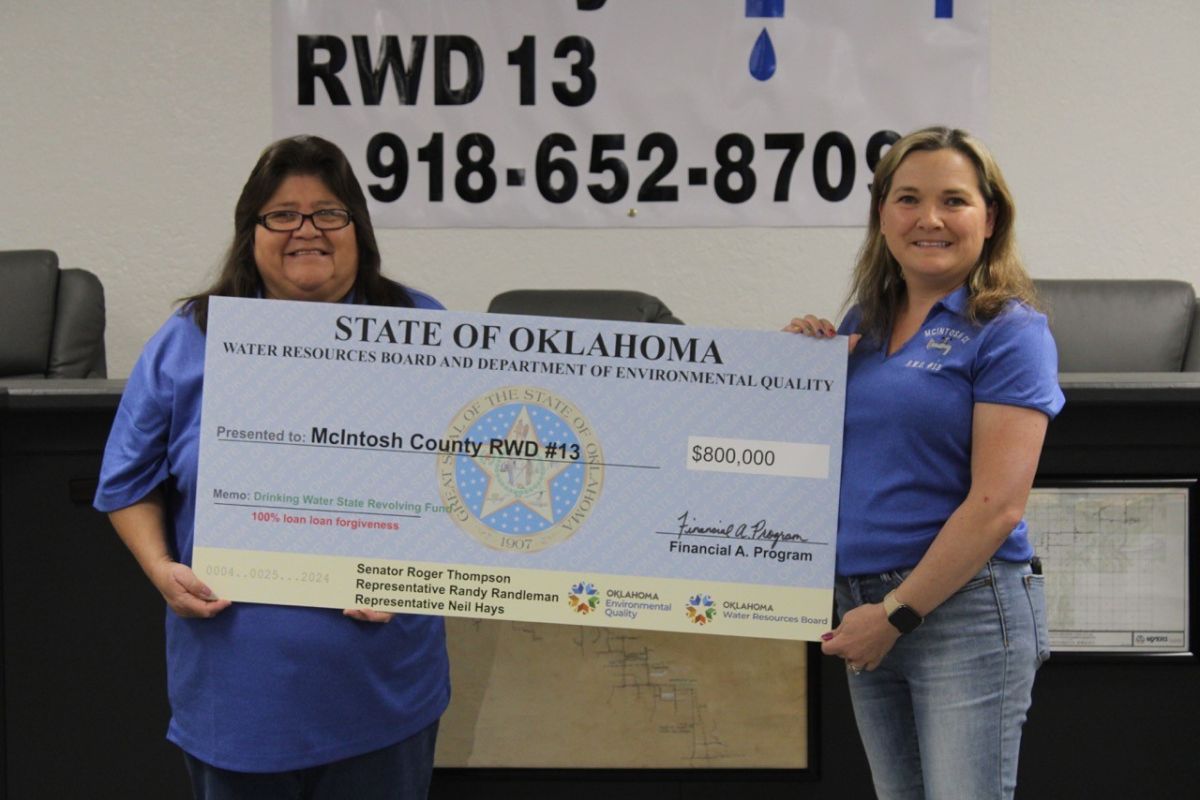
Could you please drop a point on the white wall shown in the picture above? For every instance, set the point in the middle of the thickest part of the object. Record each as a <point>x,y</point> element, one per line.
<point>127,130</point>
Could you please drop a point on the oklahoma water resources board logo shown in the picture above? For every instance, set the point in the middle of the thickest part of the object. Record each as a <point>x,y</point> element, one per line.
<point>535,477</point>
<point>700,608</point>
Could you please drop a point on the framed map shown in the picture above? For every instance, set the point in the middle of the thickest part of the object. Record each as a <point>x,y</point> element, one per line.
<point>1116,556</point>
<point>536,695</point>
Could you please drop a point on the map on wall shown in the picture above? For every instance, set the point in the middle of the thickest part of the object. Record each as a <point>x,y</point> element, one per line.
<point>1116,566</point>
<point>564,696</point>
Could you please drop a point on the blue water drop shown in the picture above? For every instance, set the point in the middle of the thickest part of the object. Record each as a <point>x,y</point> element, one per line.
<point>762,57</point>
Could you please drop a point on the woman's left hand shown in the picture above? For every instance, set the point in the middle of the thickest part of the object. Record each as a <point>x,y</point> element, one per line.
<point>367,615</point>
<point>863,639</point>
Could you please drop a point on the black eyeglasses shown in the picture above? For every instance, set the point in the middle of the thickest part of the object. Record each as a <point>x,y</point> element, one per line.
<point>326,219</point>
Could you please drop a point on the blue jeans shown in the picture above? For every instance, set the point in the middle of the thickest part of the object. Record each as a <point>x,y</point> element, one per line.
<point>941,716</point>
<point>399,772</point>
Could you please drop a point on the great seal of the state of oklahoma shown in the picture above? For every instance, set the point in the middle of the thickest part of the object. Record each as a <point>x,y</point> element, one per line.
<point>536,477</point>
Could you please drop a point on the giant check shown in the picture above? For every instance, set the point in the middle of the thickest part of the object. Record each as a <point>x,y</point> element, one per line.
<point>523,468</point>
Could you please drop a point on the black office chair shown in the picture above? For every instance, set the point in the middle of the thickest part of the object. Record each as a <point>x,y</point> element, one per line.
<point>51,319</point>
<point>1139,325</point>
<point>1191,361</point>
<point>609,304</point>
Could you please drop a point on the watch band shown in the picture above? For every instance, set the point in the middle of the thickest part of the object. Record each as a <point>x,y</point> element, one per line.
<point>902,617</point>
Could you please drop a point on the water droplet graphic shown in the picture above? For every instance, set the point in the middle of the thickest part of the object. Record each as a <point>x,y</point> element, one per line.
<point>762,57</point>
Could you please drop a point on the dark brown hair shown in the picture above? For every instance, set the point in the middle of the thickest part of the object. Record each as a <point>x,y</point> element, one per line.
<point>298,155</point>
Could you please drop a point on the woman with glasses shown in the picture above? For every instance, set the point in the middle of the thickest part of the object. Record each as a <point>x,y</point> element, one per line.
<point>272,701</point>
<point>952,380</point>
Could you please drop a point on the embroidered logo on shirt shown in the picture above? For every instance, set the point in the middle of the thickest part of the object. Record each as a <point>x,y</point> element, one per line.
<point>944,334</point>
<point>941,345</point>
<point>941,341</point>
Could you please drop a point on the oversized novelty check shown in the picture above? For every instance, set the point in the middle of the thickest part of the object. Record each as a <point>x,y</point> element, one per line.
<point>523,468</point>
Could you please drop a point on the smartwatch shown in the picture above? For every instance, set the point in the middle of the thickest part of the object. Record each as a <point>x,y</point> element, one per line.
<point>903,618</point>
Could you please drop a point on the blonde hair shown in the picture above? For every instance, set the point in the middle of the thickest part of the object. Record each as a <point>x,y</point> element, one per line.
<point>877,285</point>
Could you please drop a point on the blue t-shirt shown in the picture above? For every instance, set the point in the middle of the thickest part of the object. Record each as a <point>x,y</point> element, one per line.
<point>261,688</point>
<point>906,458</point>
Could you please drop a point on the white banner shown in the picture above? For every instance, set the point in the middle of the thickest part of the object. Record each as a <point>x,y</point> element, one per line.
<point>606,113</point>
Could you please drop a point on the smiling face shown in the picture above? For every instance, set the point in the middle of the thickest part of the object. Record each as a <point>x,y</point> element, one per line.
<point>935,220</point>
<point>305,264</point>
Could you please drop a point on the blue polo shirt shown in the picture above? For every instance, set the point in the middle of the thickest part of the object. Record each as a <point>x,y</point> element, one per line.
<point>906,463</point>
<point>261,688</point>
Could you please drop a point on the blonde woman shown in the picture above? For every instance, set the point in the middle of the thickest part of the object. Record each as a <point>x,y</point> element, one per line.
<point>952,381</point>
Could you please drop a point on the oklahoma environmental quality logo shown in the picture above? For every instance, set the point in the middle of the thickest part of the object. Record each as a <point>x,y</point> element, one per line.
<point>535,476</point>
<point>584,597</point>
<point>700,609</point>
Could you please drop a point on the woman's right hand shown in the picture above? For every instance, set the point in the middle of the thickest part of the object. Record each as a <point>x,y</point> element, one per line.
<point>186,594</point>
<point>142,528</point>
<point>810,325</point>
<point>819,328</point>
